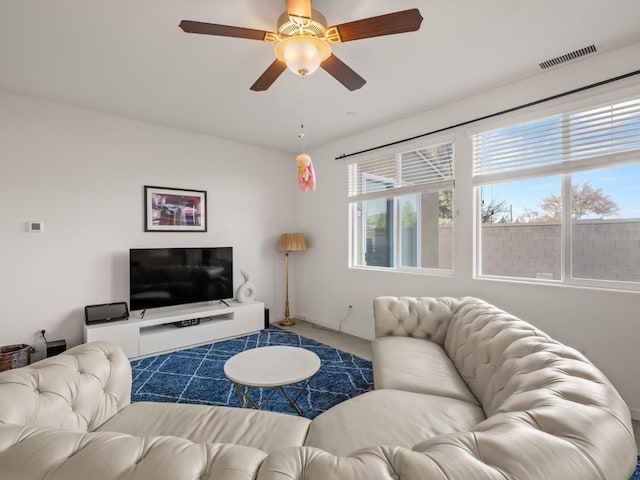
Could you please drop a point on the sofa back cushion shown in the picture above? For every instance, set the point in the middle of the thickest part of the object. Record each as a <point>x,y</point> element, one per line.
<point>481,341</point>
<point>422,317</point>
<point>77,390</point>
<point>511,366</point>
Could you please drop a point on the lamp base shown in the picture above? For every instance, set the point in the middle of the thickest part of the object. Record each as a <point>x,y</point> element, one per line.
<point>287,322</point>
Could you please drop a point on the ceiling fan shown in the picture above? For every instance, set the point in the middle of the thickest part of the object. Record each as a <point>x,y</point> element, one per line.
<point>304,40</point>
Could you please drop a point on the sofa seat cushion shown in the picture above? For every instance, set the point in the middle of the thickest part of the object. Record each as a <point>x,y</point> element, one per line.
<point>417,365</point>
<point>266,431</point>
<point>389,417</point>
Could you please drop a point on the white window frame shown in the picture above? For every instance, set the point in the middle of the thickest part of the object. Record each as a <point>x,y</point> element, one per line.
<point>353,202</point>
<point>562,108</point>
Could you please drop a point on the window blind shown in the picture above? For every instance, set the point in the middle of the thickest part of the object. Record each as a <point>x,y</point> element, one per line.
<point>560,144</point>
<point>424,169</point>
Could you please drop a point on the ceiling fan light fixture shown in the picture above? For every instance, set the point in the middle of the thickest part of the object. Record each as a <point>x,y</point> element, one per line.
<point>303,54</point>
<point>303,40</point>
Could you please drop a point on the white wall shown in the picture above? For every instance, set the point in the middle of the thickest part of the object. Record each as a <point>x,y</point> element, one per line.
<point>82,173</point>
<point>602,323</point>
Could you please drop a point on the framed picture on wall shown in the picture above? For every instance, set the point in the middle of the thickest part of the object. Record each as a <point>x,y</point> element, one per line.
<point>174,210</point>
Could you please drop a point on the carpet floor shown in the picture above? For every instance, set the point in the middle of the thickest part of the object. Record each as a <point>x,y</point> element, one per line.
<point>196,375</point>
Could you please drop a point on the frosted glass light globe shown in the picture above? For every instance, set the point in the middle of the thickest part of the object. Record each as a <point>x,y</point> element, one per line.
<point>301,57</point>
<point>303,54</point>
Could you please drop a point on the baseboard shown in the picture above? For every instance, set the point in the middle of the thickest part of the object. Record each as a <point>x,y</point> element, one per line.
<point>635,413</point>
<point>317,324</point>
<point>321,325</point>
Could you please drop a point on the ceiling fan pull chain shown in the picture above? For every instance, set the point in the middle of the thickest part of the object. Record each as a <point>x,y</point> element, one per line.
<point>301,135</point>
<point>306,172</point>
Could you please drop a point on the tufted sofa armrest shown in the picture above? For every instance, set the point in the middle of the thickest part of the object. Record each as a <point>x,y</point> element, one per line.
<point>418,317</point>
<point>38,453</point>
<point>77,390</point>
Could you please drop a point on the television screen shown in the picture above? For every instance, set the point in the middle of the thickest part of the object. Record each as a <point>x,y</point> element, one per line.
<point>161,277</point>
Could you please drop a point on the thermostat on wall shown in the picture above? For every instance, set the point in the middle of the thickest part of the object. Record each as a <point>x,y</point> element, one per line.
<point>34,226</point>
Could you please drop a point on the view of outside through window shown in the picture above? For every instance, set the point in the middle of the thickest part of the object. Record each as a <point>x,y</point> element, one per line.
<point>560,200</point>
<point>522,221</point>
<point>379,219</point>
<point>424,231</point>
<point>605,224</point>
<point>396,228</point>
<point>516,241</point>
<point>521,226</point>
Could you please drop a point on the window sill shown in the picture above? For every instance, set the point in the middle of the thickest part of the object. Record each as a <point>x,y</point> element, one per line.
<point>434,272</point>
<point>600,285</point>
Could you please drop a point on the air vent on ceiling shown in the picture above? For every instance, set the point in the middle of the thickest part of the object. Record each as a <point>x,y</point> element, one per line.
<point>567,57</point>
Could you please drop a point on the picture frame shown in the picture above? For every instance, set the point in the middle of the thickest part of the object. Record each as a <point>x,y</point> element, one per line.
<point>169,209</point>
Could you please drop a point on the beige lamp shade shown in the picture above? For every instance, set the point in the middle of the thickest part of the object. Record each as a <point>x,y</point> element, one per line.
<point>291,242</point>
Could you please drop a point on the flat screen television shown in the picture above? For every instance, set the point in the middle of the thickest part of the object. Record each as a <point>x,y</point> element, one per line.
<point>162,277</point>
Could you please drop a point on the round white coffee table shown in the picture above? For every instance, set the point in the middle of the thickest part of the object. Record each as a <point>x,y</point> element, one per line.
<point>271,367</point>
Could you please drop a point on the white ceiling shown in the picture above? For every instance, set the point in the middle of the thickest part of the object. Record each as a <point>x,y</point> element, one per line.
<point>128,57</point>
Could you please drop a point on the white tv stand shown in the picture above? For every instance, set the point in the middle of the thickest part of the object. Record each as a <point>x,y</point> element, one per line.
<point>156,332</point>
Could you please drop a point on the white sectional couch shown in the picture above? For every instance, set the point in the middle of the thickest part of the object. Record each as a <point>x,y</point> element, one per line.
<point>463,391</point>
<point>70,417</point>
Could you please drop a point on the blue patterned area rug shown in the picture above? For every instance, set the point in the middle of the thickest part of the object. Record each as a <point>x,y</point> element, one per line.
<point>196,375</point>
<point>636,474</point>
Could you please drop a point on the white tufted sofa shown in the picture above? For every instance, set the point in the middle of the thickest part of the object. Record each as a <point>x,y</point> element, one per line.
<point>464,391</point>
<point>69,417</point>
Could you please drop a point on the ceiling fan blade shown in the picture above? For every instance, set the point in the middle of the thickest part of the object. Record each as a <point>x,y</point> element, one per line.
<point>191,26</point>
<point>299,8</point>
<point>397,22</point>
<point>269,76</point>
<point>343,73</point>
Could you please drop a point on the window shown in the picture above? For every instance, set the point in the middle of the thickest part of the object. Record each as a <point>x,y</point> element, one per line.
<point>559,197</point>
<point>517,241</point>
<point>401,210</point>
<point>605,224</point>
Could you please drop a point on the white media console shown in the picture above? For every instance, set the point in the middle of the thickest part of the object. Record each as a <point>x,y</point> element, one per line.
<point>156,332</point>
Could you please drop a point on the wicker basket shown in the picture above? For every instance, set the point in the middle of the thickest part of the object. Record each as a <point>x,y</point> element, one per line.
<point>14,356</point>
